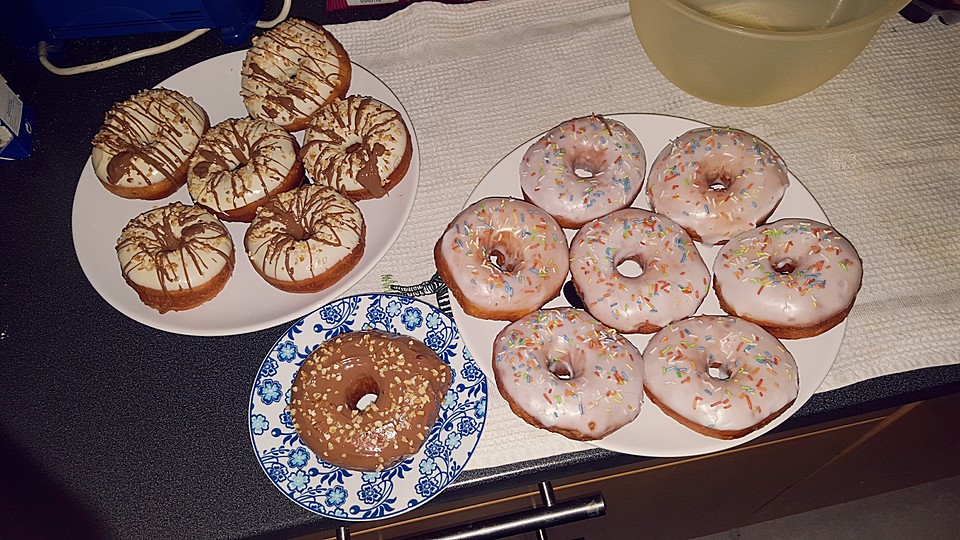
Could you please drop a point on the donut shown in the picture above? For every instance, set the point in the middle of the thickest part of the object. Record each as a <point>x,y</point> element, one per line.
<point>796,278</point>
<point>331,417</point>
<point>720,376</point>
<point>359,146</point>
<point>717,183</point>
<point>241,162</point>
<point>673,279</point>
<point>564,371</point>
<point>175,257</point>
<point>291,71</point>
<point>583,169</point>
<point>144,145</point>
<point>502,258</point>
<point>306,239</point>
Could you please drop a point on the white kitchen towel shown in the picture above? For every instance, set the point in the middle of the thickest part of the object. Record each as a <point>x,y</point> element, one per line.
<point>878,146</point>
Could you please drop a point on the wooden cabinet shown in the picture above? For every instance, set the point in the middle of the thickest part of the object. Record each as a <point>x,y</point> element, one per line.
<point>774,476</point>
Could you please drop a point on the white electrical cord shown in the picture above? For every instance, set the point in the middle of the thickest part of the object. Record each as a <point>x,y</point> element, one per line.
<point>103,64</point>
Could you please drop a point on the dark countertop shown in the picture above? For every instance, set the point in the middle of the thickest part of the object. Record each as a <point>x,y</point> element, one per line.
<point>113,429</point>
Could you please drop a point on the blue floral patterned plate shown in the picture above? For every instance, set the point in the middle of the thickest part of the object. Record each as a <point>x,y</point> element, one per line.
<point>351,495</point>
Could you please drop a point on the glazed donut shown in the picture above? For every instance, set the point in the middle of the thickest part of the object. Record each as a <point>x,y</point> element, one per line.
<point>306,239</point>
<point>717,183</point>
<point>720,376</point>
<point>796,278</point>
<point>408,379</point>
<point>583,169</point>
<point>144,145</point>
<point>175,257</point>
<point>291,71</point>
<point>502,258</point>
<point>358,146</point>
<point>564,371</point>
<point>673,281</point>
<point>240,163</point>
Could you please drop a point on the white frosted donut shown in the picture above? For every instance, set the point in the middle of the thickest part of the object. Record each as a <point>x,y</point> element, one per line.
<point>145,143</point>
<point>795,277</point>
<point>720,376</point>
<point>717,183</point>
<point>673,281</point>
<point>291,71</point>
<point>175,257</point>
<point>239,164</point>
<point>562,370</point>
<point>583,169</point>
<point>358,146</point>
<point>502,258</point>
<point>306,239</point>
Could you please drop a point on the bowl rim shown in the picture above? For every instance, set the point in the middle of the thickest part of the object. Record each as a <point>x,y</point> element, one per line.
<point>873,20</point>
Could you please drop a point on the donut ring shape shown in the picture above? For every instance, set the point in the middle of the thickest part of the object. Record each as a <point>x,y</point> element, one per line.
<point>306,239</point>
<point>722,377</point>
<point>564,371</point>
<point>583,169</point>
<point>143,148</point>
<point>241,162</point>
<point>175,257</point>
<point>717,183</point>
<point>502,258</point>
<point>794,277</point>
<point>673,281</point>
<point>408,379</point>
<point>291,71</point>
<point>359,146</point>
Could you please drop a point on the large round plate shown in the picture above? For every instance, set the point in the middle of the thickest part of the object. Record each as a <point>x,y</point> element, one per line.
<point>340,493</point>
<point>653,433</point>
<point>247,303</point>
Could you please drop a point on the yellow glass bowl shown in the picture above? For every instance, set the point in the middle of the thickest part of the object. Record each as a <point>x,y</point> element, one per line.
<point>755,52</point>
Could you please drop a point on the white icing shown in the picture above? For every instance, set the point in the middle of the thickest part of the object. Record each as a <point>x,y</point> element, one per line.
<point>717,182</point>
<point>605,389</point>
<point>505,255</point>
<point>754,375</point>
<point>674,279</point>
<point>291,71</point>
<point>154,133</point>
<point>331,223</point>
<point>612,164</point>
<point>240,162</point>
<point>347,137</point>
<point>825,277</point>
<point>174,247</point>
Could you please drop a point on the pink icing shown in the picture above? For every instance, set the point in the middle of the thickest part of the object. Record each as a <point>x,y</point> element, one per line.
<point>672,285</point>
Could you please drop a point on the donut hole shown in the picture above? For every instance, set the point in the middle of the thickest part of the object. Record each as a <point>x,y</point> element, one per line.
<point>588,165</point>
<point>563,368</point>
<point>719,370</point>
<point>784,266</point>
<point>719,182</point>
<point>362,393</point>
<point>631,267</point>
<point>504,254</point>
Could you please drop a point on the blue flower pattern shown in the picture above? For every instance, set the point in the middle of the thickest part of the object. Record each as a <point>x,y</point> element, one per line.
<point>343,494</point>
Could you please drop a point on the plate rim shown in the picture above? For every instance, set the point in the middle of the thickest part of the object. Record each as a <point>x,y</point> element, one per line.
<point>484,385</point>
<point>168,322</point>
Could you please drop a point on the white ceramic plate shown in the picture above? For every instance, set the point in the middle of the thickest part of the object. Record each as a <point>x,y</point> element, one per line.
<point>350,495</point>
<point>653,433</point>
<point>247,303</point>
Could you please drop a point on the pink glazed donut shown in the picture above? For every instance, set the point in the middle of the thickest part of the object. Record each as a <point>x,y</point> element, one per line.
<point>717,183</point>
<point>502,258</point>
<point>796,278</point>
<point>583,169</point>
<point>673,282</point>
<point>722,377</point>
<point>564,371</point>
